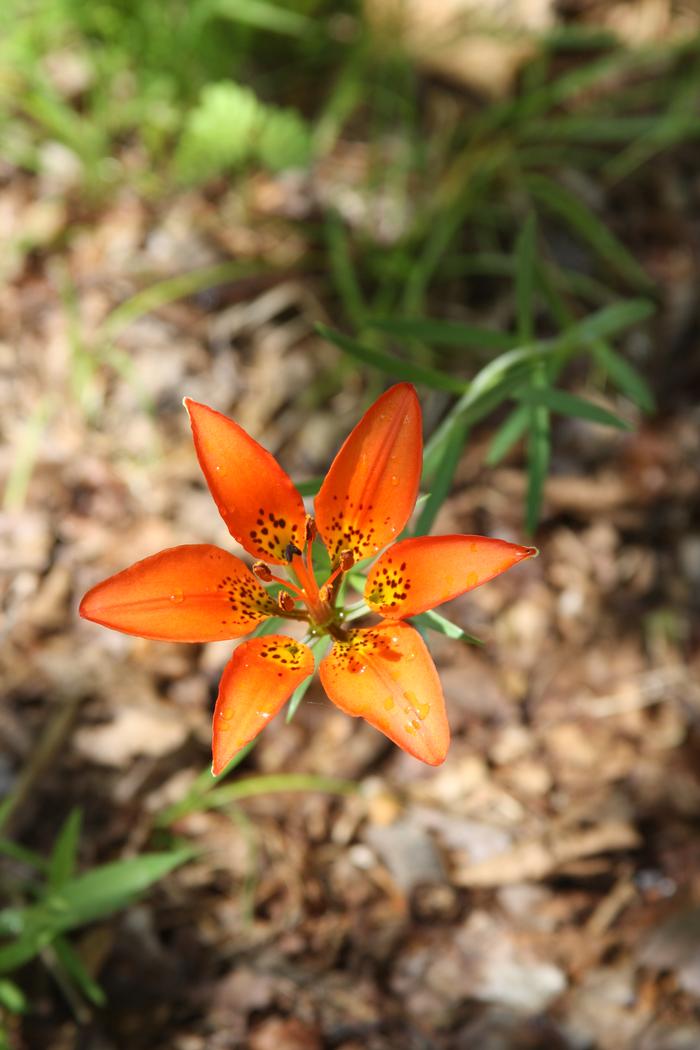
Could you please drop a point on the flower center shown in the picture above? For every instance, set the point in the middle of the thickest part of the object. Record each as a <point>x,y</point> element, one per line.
<point>320,605</point>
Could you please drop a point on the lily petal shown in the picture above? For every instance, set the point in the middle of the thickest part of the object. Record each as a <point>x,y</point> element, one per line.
<point>258,679</point>
<point>193,593</point>
<point>417,574</point>
<point>386,675</point>
<point>256,498</point>
<point>371,488</point>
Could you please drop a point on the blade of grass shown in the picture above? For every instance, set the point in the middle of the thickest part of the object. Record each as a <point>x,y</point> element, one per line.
<point>436,622</point>
<point>553,197</point>
<point>392,366</point>
<point>510,431</point>
<point>571,405</point>
<point>625,377</point>
<point>442,333</point>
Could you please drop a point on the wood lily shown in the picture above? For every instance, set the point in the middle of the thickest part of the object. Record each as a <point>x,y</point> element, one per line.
<point>201,593</point>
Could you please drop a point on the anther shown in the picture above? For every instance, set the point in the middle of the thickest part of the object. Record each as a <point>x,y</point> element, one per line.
<point>285,601</point>
<point>290,550</point>
<point>346,560</point>
<point>310,530</point>
<point>262,571</point>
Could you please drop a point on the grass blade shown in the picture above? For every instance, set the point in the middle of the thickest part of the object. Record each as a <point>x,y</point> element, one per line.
<point>511,430</point>
<point>443,333</point>
<point>561,202</point>
<point>570,405</point>
<point>392,366</point>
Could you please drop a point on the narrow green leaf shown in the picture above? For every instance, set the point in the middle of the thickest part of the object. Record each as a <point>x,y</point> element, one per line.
<point>343,270</point>
<point>605,322</point>
<point>74,967</point>
<point>171,289</point>
<point>297,697</point>
<point>443,333</point>
<point>104,890</point>
<point>319,647</point>
<point>538,455</point>
<point>469,410</point>
<point>609,321</point>
<point>436,622</point>
<point>625,376</point>
<point>392,366</point>
<point>262,14</point>
<point>443,475</point>
<point>511,430</point>
<point>12,998</point>
<point>22,854</point>
<point>570,405</point>
<point>273,784</point>
<point>526,258</point>
<point>561,202</point>
<point>20,951</point>
<point>63,858</point>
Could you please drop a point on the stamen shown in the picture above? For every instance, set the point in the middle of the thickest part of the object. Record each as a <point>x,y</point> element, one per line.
<point>264,573</point>
<point>285,601</point>
<point>310,530</point>
<point>346,562</point>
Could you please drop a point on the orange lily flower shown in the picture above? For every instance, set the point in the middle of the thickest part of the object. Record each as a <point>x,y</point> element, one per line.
<point>201,593</point>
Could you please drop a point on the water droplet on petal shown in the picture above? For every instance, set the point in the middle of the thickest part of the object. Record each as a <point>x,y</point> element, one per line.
<point>389,703</point>
<point>410,727</point>
<point>177,596</point>
<point>394,480</point>
<point>422,710</point>
<point>227,714</point>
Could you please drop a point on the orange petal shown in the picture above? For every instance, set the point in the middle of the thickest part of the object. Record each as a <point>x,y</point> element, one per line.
<point>418,574</point>
<point>371,487</point>
<point>386,675</point>
<point>255,497</point>
<point>260,676</point>
<point>194,593</point>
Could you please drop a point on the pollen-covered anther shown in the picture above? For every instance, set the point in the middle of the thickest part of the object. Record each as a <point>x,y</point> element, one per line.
<point>285,601</point>
<point>262,571</point>
<point>347,560</point>
<point>310,530</point>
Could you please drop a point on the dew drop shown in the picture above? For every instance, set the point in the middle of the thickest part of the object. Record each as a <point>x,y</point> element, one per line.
<point>410,727</point>
<point>422,710</point>
<point>226,715</point>
<point>177,596</point>
<point>389,703</point>
<point>394,480</point>
<point>263,714</point>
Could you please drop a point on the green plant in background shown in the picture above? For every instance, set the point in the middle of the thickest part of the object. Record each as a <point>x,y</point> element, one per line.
<point>51,900</point>
<point>524,372</point>
<point>61,902</point>
<point>230,127</point>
